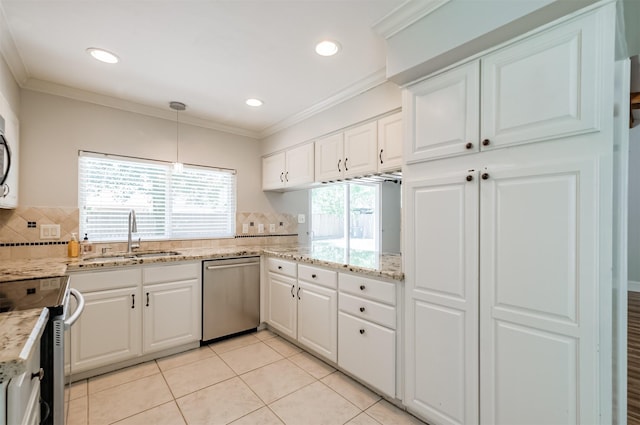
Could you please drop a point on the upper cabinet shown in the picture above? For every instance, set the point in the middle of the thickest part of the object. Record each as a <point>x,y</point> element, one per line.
<point>367,149</point>
<point>540,88</point>
<point>444,114</point>
<point>390,143</point>
<point>289,169</point>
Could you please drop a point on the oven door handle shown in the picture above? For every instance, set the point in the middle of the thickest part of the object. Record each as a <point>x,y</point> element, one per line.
<point>76,314</point>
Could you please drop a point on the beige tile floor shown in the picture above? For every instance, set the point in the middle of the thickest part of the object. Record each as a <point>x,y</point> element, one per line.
<point>255,379</point>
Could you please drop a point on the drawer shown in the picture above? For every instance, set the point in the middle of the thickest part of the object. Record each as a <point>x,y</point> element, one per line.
<point>287,268</point>
<point>373,311</point>
<point>368,351</point>
<point>318,276</point>
<point>376,290</point>
<point>102,280</point>
<point>172,273</point>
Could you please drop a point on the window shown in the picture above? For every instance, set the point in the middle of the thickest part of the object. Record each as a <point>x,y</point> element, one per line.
<point>345,222</point>
<point>198,202</point>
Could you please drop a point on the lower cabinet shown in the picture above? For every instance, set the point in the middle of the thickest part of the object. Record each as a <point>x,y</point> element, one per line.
<point>124,319</point>
<point>303,305</point>
<point>367,331</point>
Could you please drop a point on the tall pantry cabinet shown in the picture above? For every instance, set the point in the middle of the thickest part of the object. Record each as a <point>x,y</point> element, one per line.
<point>507,180</point>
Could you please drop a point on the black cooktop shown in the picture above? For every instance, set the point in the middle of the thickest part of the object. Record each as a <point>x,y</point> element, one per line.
<point>34,293</point>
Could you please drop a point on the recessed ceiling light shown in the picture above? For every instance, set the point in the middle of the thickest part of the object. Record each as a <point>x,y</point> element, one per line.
<point>254,102</point>
<point>327,48</point>
<point>102,55</point>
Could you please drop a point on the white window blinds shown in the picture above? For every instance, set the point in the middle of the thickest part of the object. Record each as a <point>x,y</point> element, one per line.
<point>198,202</point>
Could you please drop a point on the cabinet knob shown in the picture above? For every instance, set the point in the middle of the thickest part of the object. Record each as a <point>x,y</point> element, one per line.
<point>279,267</point>
<point>469,178</point>
<point>361,331</point>
<point>485,142</point>
<point>361,309</point>
<point>39,374</point>
<point>362,287</point>
<point>485,176</point>
<point>313,276</point>
<point>469,145</point>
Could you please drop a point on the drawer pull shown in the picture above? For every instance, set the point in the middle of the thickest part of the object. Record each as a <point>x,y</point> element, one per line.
<point>361,331</point>
<point>361,309</point>
<point>147,299</point>
<point>292,294</point>
<point>313,276</point>
<point>362,287</point>
<point>133,301</point>
<point>298,293</point>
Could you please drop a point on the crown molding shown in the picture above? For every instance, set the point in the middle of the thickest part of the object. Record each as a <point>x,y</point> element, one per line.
<point>129,106</point>
<point>10,52</point>
<point>406,14</point>
<point>374,80</point>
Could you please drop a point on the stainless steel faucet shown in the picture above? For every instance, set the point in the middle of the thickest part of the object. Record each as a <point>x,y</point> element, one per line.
<point>133,228</point>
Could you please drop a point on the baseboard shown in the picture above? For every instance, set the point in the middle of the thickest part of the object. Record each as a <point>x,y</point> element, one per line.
<point>633,286</point>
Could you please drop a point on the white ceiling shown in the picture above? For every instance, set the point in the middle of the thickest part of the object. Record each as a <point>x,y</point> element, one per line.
<point>209,54</point>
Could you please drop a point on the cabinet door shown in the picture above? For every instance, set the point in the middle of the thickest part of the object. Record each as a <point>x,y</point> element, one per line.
<point>361,150</point>
<point>171,314</point>
<point>443,114</point>
<point>282,308</point>
<point>368,351</point>
<point>390,143</point>
<point>273,170</point>
<point>441,298</point>
<point>300,166</point>
<point>329,158</point>
<point>539,282</point>
<point>543,87</point>
<point>108,330</point>
<point>317,319</point>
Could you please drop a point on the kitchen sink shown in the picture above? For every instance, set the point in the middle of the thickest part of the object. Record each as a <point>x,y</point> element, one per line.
<point>124,256</point>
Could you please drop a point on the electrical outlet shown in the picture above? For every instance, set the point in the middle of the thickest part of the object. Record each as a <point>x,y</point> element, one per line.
<point>260,228</point>
<point>301,218</point>
<point>245,228</point>
<point>272,228</point>
<point>49,231</point>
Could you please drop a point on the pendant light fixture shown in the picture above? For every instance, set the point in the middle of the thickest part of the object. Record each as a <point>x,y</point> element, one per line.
<point>177,106</point>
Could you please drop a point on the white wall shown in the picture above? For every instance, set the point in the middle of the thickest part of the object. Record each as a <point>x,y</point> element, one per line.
<point>381,99</point>
<point>9,88</point>
<point>54,128</point>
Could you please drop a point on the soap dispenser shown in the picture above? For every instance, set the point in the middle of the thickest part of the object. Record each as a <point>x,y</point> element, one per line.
<point>86,247</point>
<point>74,246</point>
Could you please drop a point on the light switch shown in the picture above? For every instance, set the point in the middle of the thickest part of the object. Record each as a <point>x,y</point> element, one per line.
<point>301,218</point>
<point>245,228</point>
<point>272,228</point>
<point>49,231</point>
<point>260,228</point>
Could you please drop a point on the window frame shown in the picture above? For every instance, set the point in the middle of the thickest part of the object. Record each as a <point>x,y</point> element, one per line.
<point>167,213</point>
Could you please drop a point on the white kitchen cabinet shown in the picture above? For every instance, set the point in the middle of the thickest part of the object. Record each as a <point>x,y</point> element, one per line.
<point>124,319</point>
<point>329,158</point>
<point>172,306</point>
<point>352,153</point>
<point>318,310</point>
<point>543,87</point>
<point>441,308</point>
<point>303,305</point>
<point>361,150</point>
<point>367,331</point>
<point>443,114</point>
<point>289,169</point>
<point>390,143</point>
<point>108,330</point>
<point>282,305</point>
<point>532,283</point>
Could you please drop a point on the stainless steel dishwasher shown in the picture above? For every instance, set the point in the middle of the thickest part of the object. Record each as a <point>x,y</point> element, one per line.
<point>230,296</point>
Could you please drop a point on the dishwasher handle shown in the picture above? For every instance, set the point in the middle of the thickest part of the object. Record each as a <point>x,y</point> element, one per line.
<point>255,263</point>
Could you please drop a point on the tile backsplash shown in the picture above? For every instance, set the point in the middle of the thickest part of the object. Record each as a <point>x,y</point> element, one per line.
<point>20,237</point>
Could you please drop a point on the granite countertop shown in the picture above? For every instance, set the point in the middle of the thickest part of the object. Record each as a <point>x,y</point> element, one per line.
<point>20,331</point>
